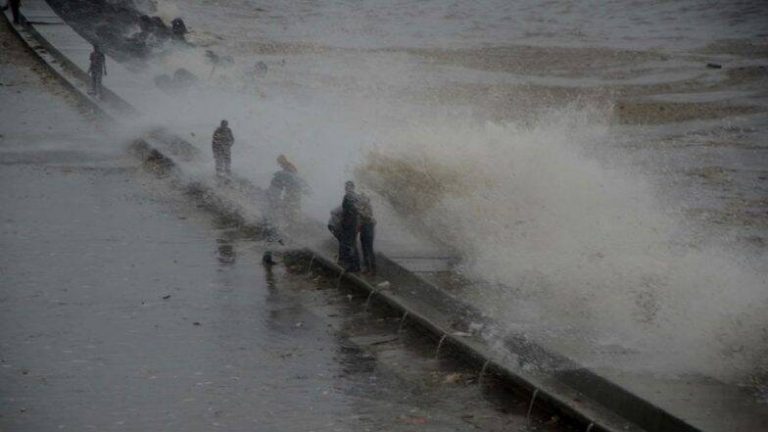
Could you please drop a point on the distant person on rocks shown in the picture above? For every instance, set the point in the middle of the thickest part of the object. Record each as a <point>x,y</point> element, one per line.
<point>222,145</point>
<point>178,29</point>
<point>367,230</point>
<point>285,191</point>
<point>15,5</point>
<point>97,70</point>
<point>145,29</point>
<point>349,258</point>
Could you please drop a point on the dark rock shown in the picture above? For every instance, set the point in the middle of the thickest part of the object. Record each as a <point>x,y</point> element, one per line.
<point>184,78</point>
<point>218,60</point>
<point>260,68</point>
<point>159,28</point>
<point>164,82</point>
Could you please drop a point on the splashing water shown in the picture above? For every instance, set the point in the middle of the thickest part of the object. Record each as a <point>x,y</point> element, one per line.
<point>578,253</point>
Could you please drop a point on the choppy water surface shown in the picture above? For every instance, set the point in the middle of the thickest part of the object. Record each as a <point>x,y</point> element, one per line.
<point>436,23</point>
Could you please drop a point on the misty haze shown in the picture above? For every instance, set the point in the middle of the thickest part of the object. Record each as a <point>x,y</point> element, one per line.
<point>347,215</point>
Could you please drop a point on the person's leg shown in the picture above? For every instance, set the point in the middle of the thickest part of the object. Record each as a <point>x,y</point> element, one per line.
<point>15,11</point>
<point>365,243</point>
<point>340,256</point>
<point>354,265</point>
<point>349,258</point>
<point>370,232</point>
<point>345,252</point>
<point>218,162</point>
<point>96,84</point>
<point>227,163</point>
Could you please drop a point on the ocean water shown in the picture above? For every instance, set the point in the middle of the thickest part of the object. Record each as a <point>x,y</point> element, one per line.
<point>630,24</point>
<point>579,156</point>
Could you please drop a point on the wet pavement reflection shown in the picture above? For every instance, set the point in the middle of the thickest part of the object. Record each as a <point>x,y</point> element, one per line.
<point>124,306</point>
<point>136,323</point>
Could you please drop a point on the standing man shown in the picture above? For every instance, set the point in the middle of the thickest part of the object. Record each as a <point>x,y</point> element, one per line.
<point>222,145</point>
<point>97,69</point>
<point>15,5</point>
<point>349,258</point>
<point>367,229</point>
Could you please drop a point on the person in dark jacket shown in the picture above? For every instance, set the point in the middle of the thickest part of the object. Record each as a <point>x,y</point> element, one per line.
<point>222,145</point>
<point>15,5</point>
<point>349,258</point>
<point>367,230</point>
<point>97,69</point>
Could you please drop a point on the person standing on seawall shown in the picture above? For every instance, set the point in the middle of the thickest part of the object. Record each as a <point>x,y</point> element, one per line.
<point>97,69</point>
<point>222,144</point>
<point>349,258</point>
<point>367,230</point>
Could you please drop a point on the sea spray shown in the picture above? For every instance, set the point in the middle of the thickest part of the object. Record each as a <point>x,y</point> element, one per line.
<point>579,255</point>
<point>577,251</point>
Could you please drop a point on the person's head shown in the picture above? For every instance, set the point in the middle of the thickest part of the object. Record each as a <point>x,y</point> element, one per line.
<point>96,48</point>
<point>285,164</point>
<point>349,186</point>
<point>224,123</point>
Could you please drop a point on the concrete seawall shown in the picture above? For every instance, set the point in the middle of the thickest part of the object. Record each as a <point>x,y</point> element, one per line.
<point>566,387</point>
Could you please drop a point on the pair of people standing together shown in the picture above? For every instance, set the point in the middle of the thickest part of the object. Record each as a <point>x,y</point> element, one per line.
<point>355,215</point>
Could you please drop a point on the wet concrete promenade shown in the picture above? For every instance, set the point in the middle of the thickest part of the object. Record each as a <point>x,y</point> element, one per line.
<point>672,396</point>
<point>125,307</point>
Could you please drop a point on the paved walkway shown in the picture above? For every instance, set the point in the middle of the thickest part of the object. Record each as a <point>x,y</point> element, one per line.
<point>707,413</point>
<point>125,308</point>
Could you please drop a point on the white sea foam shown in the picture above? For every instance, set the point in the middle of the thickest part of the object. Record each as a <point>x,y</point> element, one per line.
<point>584,256</point>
